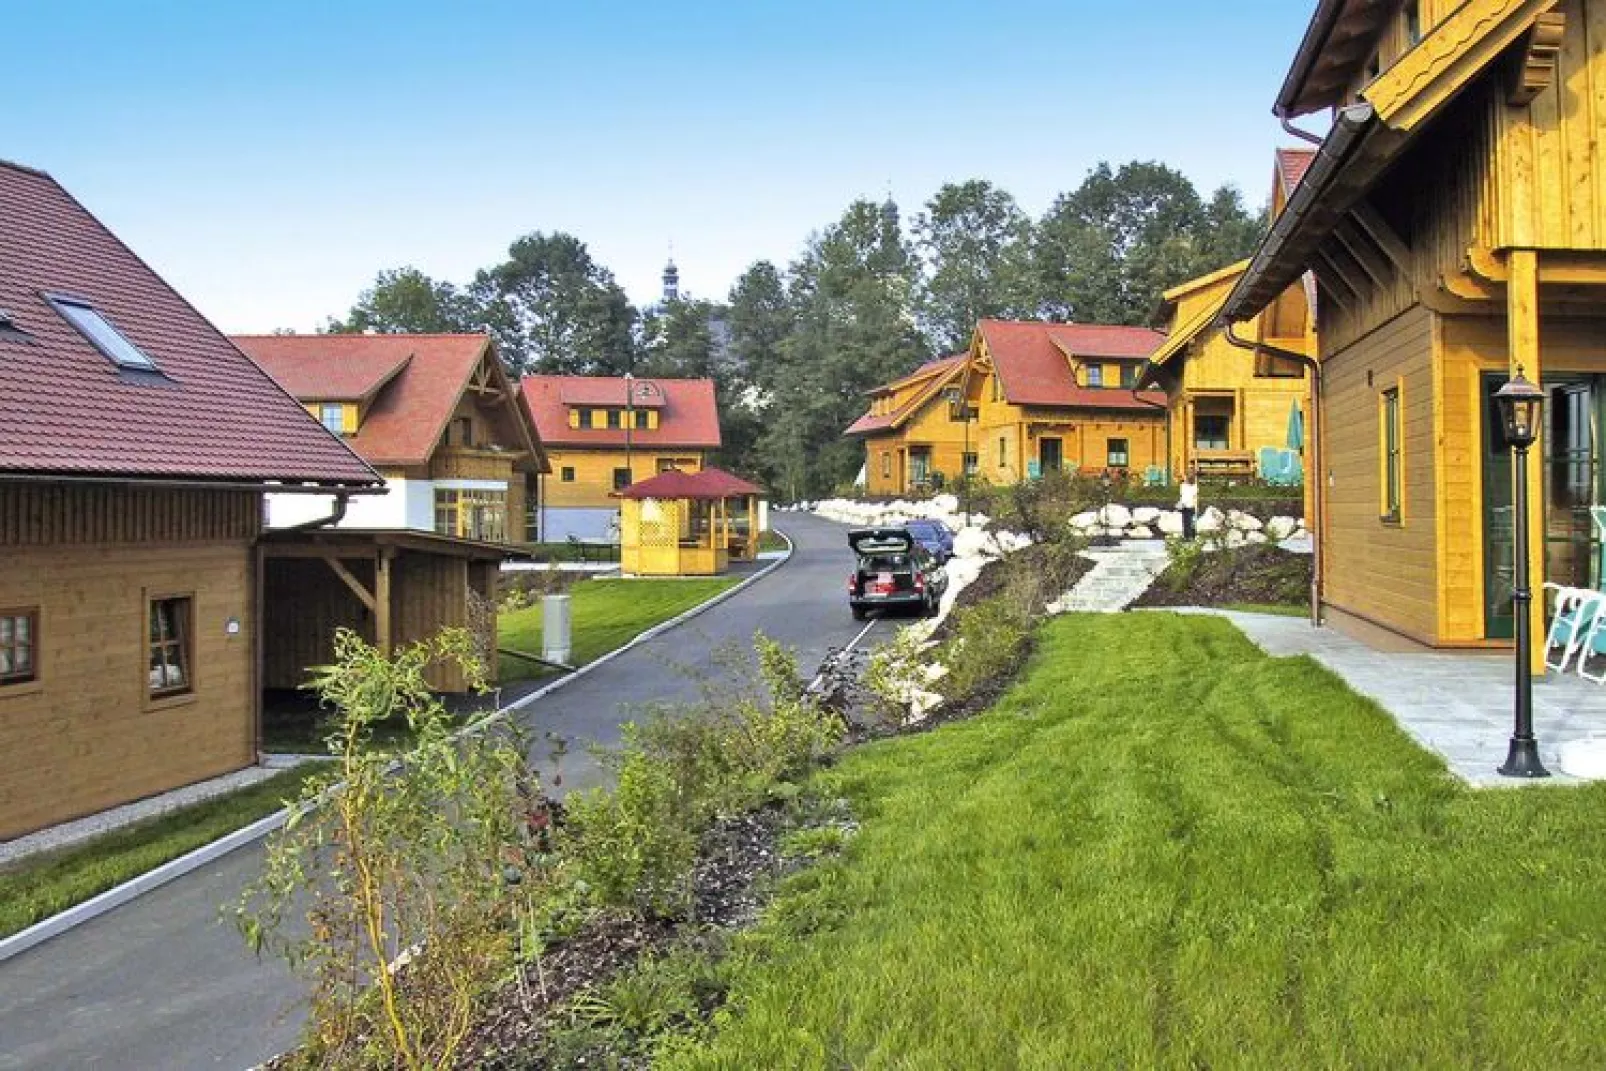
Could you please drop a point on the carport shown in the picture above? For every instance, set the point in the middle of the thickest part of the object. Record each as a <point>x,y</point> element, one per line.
<point>392,587</point>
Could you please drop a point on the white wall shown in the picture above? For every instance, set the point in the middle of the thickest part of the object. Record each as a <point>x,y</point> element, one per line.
<point>406,504</point>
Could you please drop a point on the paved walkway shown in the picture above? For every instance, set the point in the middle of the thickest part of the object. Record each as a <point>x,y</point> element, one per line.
<point>162,983</point>
<point>1458,705</point>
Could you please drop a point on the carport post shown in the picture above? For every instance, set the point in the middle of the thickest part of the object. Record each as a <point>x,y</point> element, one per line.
<point>382,637</point>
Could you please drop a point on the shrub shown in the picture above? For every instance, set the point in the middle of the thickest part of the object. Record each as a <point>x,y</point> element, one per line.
<point>401,871</point>
<point>679,770</point>
<point>989,640</point>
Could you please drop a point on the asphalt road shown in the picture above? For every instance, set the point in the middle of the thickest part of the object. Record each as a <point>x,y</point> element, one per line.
<point>163,983</point>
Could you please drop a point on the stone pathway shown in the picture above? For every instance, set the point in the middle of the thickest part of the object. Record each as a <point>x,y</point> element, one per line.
<point>1119,575</point>
<point>1458,705</point>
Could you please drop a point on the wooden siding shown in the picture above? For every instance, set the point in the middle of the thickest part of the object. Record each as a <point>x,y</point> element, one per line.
<point>1383,572</point>
<point>1549,161</point>
<point>593,473</point>
<point>77,514</point>
<point>86,736</point>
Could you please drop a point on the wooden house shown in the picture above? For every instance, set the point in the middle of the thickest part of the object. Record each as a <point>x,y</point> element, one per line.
<point>605,433</point>
<point>912,439</point>
<point>1061,397</point>
<point>436,415</point>
<point>136,446</point>
<point>1236,393</point>
<point>1455,220</point>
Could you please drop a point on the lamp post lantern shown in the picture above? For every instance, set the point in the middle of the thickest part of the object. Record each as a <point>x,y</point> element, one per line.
<point>1521,406</point>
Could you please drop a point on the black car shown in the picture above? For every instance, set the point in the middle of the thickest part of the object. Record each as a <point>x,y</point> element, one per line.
<point>894,570</point>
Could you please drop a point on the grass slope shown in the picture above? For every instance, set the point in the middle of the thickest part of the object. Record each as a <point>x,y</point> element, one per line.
<point>35,888</point>
<point>1165,849</point>
<point>604,614</point>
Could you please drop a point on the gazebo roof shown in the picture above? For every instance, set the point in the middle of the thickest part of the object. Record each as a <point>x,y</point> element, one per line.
<point>708,484</point>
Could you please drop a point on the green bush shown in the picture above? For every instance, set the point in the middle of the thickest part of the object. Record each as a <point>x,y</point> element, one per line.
<point>989,639</point>
<point>634,847</point>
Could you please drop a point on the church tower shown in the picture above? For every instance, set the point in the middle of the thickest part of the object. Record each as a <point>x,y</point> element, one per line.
<point>671,282</point>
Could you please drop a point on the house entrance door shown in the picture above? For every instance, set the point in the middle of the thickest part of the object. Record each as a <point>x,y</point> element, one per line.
<point>1050,455</point>
<point>1572,484</point>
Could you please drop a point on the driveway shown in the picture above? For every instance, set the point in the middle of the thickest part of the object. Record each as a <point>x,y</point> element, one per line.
<point>161,983</point>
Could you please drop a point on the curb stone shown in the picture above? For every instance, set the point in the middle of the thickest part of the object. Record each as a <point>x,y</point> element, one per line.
<point>173,869</point>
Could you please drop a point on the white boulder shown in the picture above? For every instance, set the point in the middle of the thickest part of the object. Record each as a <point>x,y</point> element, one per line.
<point>1280,528</point>
<point>1084,522</point>
<point>1255,537</point>
<point>1233,539</point>
<point>1169,523</point>
<point>1244,522</point>
<point>1140,531</point>
<point>1115,515</point>
<point>1211,520</point>
<point>1145,515</point>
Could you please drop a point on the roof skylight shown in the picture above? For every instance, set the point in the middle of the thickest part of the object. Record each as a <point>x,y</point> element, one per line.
<point>97,329</point>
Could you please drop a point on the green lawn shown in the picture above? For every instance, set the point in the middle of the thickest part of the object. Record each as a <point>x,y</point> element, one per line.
<point>772,541</point>
<point>40,886</point>
<point>1166,849</point>
<point>605,614</point>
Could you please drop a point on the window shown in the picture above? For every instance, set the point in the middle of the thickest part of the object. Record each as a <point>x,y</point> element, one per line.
<point>1002,461</point>
<point>886,465</point>
<point>1210,431</point>
<point>169,641</point>
<point>1095,375</point>
<point>641,419</point>
<point>998,387</point>
<point>1393,472</point>
<point>1116,454</point>
<point>463,429</point>
<point>98,330</point>
<point>1271,366</point>
<point>333,416</point>
<point>1413,23</point>
<point>615,419</point>
<point>970,464</point>
<point>621,479</point>
<point>471,514</point>
<point>19,646</point>
<point>566,474</point>
<point>1129,376</point>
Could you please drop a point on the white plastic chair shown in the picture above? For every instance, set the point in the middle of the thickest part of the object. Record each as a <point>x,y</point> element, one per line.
<point>1575,627</point>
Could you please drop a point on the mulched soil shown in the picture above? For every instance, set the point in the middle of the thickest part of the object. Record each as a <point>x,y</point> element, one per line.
<point>1258,573</point>
<point>739,860</point>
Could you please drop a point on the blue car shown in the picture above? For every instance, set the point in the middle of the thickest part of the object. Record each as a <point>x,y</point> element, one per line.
<point>934,536</point>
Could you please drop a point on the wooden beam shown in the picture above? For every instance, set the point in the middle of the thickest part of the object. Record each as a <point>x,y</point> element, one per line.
<point>1559,268</point>
<point>1357,246</point>
<point>1332,286</point>
<point>1356,291</point>
<point>381,607</point>
<point>350,581</point>
<point>1522,345</point>
<point>1377,228</point>
<point>1535,69</point>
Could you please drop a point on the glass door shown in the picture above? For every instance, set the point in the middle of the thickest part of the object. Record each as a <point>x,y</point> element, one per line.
<point>1050,454</point>
<point>1570,487</point>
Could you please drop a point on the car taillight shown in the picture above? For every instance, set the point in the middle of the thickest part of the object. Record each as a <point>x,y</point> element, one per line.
<point>920,582</point>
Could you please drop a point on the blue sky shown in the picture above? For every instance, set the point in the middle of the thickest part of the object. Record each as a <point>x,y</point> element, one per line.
<point>268,159</point>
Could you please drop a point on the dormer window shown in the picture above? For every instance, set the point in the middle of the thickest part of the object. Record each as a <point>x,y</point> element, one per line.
<point>98,330</point>
<point>333,417</point>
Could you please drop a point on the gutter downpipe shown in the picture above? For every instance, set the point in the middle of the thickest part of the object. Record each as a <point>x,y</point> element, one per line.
<point>342,500</point>
<point>1305,135</point>
<point>1318,497</point>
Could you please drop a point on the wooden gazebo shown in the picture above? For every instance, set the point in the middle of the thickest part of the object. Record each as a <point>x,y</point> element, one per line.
<point>687,523</point>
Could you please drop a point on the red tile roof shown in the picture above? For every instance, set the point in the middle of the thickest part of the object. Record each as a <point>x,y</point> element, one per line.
<point>938,371</point>
<point>1033,362</point>
<point>67,410</point>
<point>710,483</point>
<point>687,414</point>
<point>419,378</point>
<point>1291,167</point>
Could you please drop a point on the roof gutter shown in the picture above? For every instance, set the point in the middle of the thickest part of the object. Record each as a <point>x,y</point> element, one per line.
<point>1350,127</point>
<point>1313,472</point>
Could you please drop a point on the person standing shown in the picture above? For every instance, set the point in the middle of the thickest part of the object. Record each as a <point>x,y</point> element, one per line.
<point>1188,502</point>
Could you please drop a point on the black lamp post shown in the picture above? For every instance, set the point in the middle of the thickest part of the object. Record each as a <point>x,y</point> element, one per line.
<point>1521,404</point>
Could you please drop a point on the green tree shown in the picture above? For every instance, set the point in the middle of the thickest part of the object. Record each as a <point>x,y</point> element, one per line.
<point>677,341</point>
<point>976,243</point>
<point>759,320</point>
<point>555,310</point>
<point>406,301</point>
<point>852,292</point>
<point>1107,250</point>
